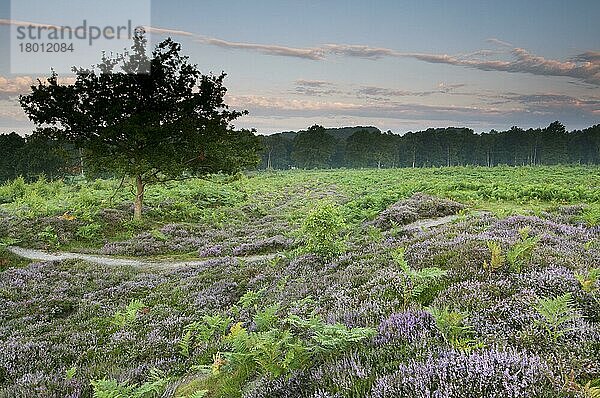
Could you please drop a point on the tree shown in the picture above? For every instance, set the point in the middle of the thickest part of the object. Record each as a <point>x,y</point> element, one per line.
<point>151,126</point>
<point>313,148</point>
<point>276,153</point>
<point>11,160</point>
<point>367,148</point>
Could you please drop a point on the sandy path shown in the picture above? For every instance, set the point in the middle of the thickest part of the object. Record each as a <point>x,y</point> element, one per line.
<point>41,255</point>
<point>430,222</point>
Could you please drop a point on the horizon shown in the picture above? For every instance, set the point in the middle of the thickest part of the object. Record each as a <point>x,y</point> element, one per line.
<point>398,67</point>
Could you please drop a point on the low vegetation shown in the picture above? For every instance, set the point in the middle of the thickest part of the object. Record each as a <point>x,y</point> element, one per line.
<point>501,300</point>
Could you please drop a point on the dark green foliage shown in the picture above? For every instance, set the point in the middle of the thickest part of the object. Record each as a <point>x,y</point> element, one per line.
<point>313,148</point>
<point>150,126</point>
<point>558,315</point>
<point>321,230</point>
<point>34,156</point>
<point>369,147</point>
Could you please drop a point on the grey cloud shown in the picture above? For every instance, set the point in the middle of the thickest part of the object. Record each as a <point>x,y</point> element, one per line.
<point>588,56</point>
<point>13,87</point>
<point>312,83</point>
<point>373,91</point>
<point>315,88</point>
<point>383,92</point>
<point>524,62</point>
<point>360,51</point>
<point>285,109</point>
<point>584,67</point>
<point>556,103</point>
<point>306,53</point>
<point>499,42</point>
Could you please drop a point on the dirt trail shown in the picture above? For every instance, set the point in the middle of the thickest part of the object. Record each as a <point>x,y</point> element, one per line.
<point>430,222</point>
<point>41,255</point>
<point>111,261</point>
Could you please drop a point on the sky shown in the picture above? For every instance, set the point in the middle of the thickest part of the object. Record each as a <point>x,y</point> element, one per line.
<point>397,65</point>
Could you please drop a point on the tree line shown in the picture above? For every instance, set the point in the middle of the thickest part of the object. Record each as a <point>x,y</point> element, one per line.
<point>368,147</point>
<point>353,147</point>
<point>33,156</point>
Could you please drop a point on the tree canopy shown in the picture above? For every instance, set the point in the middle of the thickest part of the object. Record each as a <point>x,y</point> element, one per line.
<point>313,148</point>
<point>452,146</point>
<point>150,126</point>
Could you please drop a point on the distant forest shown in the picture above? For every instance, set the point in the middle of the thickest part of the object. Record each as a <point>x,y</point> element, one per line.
<point>352,147</point>
<point>368,147</point>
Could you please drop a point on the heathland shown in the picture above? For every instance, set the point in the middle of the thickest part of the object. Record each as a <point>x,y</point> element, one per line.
<point>450,282</point>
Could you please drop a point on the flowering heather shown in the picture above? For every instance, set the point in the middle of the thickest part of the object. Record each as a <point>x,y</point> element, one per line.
<point>147,244</point>
<point>416,207</point>
<point>211,251</point>
<point>275,243</point>
<point>405,327</point>
<point>56,316</point>
<point>489,373</point>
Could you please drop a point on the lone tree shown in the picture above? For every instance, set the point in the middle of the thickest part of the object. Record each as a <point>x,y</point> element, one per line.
<point>162,125</point>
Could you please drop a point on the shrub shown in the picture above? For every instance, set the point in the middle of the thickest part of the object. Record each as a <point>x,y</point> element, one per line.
<point>277,348</point>
<point>419,281</point>
<point>405,327</point>
<point>108,388</point>
<point>321,230</point>
<point>129,315</point>
<point>520,253</point>
<point>589,280</point>
<point>489,373</point>
<point>90,232</point>
<point>50,238</point>
<point>454,328</point>
<point>558,315</point>
<point>496,257</point>
<point>414,208</point>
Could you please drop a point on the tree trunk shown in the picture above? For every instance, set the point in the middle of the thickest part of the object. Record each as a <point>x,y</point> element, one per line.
<point>81,161</point>
<point>139,198</point>
<point>269,167</point>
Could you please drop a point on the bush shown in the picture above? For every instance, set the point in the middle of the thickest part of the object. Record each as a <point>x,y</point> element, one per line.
<point>489,374</point>
<point>321,230</point>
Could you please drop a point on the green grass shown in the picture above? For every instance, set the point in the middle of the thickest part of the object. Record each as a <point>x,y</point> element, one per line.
<point>222,200</point>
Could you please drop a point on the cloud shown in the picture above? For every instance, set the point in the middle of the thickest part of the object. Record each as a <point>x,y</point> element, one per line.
<point>584,67</point>
<point>313,83</point>
<point>360,51</point>
<point>12,87</point>
<point>588,56</point>
<point>14,22</point>
<point>279,107</point>
<point>383,92</point>
<point>10,110</point>
<point>449,88</point>
<point>167,31</point>
<point>521,110</point>
<point>551,103</point>
<point>523,62</point>
<point>268,49</point>
<point>315,88</point>
<point>306,53</point>
<point>499,42</point>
